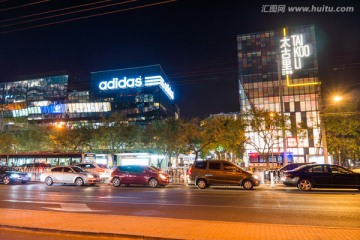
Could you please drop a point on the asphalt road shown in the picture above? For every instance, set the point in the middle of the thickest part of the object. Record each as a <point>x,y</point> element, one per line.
<point>280,205</point>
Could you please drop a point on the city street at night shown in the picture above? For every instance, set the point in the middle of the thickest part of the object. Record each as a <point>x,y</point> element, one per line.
<point>178,119</point>
<point>287,206</point>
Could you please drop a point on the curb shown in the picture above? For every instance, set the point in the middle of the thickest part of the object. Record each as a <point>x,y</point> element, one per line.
<point>93,234</point>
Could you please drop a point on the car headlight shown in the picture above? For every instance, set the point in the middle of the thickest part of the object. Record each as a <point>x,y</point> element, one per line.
<point>29,175</point>
<point>255,177</point>
<point>90,176</point>
<point>162,176</point>
<point>14,175</point>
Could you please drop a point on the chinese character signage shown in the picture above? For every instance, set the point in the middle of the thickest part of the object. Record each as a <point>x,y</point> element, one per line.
<point>293,49</point>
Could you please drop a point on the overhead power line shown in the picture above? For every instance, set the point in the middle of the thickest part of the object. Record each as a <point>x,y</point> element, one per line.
<point>25,5</point>
<point>91,16</point>
<point>68,13</point>
<point>52,11</point>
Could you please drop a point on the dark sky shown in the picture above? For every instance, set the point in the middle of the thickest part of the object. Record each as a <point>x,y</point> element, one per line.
<point>193,40</point>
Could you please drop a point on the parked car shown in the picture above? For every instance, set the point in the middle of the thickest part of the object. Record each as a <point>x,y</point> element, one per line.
<point>291,166</point>
<point>288,167</point>
<point>9,175</point>
<point>220,172</point>
<point>67,175</point>
<point>101,172</point>
<point>36,165</point>
<point>137,174</point>
<point>322,176</point>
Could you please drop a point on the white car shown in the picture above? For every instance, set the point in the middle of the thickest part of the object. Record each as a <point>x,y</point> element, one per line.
<point>100,171</point>
<point>67,175</point>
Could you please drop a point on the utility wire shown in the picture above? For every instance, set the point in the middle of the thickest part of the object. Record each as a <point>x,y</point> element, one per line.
<point>25,5</point>
<point>63,14</point>
<point>52,11</point>
<point>90,16</point>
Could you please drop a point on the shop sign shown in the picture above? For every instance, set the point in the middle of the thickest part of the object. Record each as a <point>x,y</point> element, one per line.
<point>293,50</point>
<point>123,83</point>
<point>291,142</point>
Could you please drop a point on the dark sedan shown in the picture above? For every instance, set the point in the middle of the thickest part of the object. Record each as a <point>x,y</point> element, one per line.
<point>321,176</point>
<point>9,175</point>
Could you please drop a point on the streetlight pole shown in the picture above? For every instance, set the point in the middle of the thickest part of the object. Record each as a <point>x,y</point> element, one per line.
<point>323,130</point>
<point>285,159</point>
<point>323,137</point>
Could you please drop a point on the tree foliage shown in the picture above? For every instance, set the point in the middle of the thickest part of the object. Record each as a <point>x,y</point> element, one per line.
<point>343,132</point>
<point>266,128</point>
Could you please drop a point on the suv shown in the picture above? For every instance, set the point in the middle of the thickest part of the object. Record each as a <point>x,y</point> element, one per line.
<point>220,172</point>
<point>137,174</point>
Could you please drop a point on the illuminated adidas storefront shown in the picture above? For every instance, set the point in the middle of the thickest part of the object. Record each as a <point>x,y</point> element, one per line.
<point>142,94</point>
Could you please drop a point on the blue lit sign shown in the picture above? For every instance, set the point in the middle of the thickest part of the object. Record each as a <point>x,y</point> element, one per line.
<point>115,83</point>
<point>125,82</point>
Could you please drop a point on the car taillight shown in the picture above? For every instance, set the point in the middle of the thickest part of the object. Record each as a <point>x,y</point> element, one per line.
<point>190,170</point>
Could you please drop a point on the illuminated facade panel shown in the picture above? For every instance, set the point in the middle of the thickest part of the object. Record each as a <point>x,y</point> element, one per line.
<point>142,93</point>
<point>288,58</point>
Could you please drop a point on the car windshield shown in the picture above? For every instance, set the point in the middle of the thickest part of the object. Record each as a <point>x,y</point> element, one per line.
<point>300,167</point>
<point>102,165</point>
<point>155,168</point>
<point>78,169</point>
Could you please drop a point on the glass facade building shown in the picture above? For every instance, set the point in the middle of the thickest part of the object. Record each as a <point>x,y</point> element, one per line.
<point>142,94</point>
<point>283,59</point>
<point>48,99</point>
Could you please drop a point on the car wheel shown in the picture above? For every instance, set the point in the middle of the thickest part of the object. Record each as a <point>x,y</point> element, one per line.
<point>6,180</point>
<point>153,182</point>
<point>79,181</point>
<point>248,185</point>
<point>116,182</point>
<point>49,181</point>
<point>201,183</point>
<point>304,185</point>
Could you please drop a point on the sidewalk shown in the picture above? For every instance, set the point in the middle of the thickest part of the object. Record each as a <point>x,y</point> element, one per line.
<point>131,227</point>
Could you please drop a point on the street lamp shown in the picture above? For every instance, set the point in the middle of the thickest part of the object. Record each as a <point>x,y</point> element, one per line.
<point>335,99</point>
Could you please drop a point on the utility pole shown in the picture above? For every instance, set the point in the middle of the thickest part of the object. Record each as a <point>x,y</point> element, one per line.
<point>285,159</point>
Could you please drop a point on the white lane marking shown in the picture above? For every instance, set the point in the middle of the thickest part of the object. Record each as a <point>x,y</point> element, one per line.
<point>116,197</point>
<point>64,207</point>
<point>73,207</point>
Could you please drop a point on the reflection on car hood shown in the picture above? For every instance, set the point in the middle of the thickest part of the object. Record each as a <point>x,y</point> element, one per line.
<point>15,172</point>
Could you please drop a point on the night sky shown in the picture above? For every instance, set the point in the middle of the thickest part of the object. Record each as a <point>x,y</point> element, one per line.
<point>193,40</point>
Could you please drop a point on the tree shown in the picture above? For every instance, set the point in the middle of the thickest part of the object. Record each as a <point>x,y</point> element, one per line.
<point>265,131</point>
<point>167,137</point>
<point>231,138</point>
<point>203,136</point>
<point>116,134</point>
<point>343,132</point>
<point>32,138</point>
<point>75,139</point>
<point>8,142</point>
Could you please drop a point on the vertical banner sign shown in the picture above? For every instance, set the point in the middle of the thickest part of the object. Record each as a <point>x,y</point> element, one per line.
<point>293,50</point>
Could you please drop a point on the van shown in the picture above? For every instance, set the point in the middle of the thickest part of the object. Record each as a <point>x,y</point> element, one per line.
<point>220,172</point>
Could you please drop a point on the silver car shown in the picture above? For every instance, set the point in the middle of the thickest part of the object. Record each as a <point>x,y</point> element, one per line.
<point>67,175</point>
